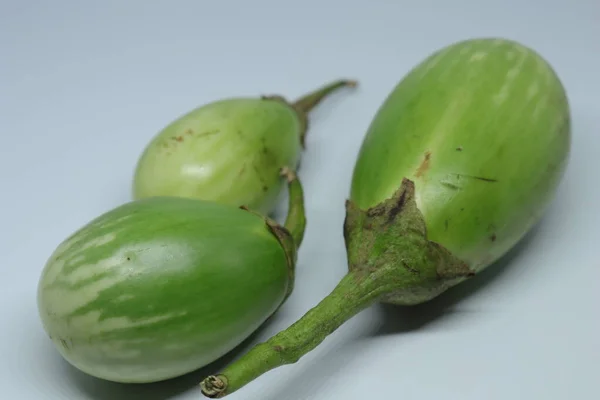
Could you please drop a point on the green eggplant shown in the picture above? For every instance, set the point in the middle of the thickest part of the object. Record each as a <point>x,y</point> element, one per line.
<point>162,286</point>
<point>230,150</point>
<point>460,161</point>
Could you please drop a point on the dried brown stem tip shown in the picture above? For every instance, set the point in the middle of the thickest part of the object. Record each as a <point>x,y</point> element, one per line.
<point>289,174</point>
<point>213,387</point>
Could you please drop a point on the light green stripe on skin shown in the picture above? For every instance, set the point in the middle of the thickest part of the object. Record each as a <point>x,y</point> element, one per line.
<point>143,300</point>
<point>529,107</point>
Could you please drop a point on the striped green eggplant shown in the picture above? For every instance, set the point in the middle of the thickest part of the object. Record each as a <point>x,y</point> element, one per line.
<point>162,286</point>
<point>460,161</point>
<point>230,150</point>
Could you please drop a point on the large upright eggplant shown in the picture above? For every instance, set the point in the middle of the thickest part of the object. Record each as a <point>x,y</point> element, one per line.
<point>459,163</point>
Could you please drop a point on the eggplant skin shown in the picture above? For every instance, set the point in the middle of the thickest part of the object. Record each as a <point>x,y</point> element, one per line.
<point>482,128</point>
<point>160,287</point>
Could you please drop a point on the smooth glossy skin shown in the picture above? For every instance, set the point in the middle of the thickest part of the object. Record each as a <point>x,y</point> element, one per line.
<point>160,287</point>
<point>230,151</point>
<point>482,128</point>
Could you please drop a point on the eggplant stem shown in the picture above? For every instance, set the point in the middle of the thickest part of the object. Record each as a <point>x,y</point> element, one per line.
<point>355,292</point>
<point>306,103</point>
<point>295,221</point>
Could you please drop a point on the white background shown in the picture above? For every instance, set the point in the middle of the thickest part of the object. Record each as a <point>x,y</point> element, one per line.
<point>85,85</point>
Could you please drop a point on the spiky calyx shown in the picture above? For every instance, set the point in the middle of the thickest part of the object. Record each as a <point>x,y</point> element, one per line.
<point>390,260</point>
<point>392,236</point>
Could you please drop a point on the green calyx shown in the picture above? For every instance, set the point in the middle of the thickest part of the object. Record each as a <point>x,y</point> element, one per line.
<point>390,260</point>
<point>392,238</point>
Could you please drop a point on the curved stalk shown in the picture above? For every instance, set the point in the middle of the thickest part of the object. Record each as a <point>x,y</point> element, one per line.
<point>295,221</point>
<point>306,103</point>
<point>353,294</point>
<point>390,259</point>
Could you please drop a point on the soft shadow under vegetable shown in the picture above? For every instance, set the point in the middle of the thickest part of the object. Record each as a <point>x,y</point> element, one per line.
<point>396,320</point>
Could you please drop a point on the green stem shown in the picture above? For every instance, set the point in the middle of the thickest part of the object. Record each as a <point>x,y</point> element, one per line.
<point>295,221</point>
<point>355,292</point>
<point>307,102</point>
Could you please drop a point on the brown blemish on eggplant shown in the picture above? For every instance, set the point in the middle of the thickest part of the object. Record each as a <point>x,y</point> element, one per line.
<point>450,185</point>
<point>395,210</point>
<point>189,132</point>
<point>209,133</point>
<point>424,165</point>
<point>493,237</point>
<point>452,180</point>
<point>177,138</point>
<point>270,158</point>
<point>410,269</point>
<point>480,178</point>
<point>265,188</point>
<point>459,148</point>
<point>258,174</point>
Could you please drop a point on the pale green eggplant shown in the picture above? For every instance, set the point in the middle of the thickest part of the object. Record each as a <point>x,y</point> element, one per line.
<point>229,150</point>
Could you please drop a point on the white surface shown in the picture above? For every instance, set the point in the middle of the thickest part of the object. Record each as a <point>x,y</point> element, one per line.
<point>84,86</point>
